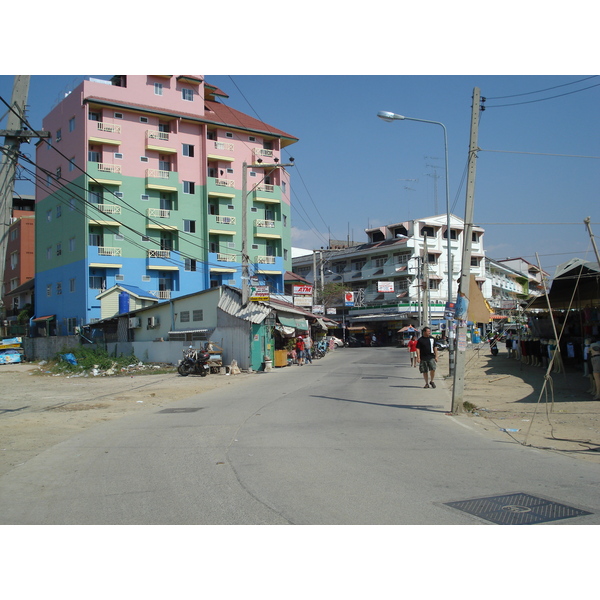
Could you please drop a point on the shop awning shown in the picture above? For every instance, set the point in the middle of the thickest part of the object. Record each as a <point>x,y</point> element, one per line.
<point>291,321</point>
<point>40,319</point>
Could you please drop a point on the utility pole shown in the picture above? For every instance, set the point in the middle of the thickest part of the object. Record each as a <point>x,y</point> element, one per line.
<point>15,134</point>
<point>245,257</point>
<point>587,222</point>
<point>465,274</point>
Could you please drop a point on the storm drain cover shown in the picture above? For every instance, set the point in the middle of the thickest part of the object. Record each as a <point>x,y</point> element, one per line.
<point>517,509</point>
<point>178,410</point>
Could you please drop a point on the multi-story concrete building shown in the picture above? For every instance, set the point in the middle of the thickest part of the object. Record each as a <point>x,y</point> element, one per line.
<point>19,268</point>
<point>534,275</point>
<point>142,185</point>
<point>390,274</point>
<point>507,287</point>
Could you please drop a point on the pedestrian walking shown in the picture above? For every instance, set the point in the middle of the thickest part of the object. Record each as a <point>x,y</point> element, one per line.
<point>427,357</point>
<point>308,344</point>
<point>412,348</point>
<point>300,350</point>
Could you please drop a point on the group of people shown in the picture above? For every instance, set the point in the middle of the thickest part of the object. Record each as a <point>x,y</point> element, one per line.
<point>424,354</point>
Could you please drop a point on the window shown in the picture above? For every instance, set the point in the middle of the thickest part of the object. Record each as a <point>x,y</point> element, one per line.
<point>145,197</point>
<point>58,173</point>
<point>164,165</point>
<point>158,89</point>
<point>184,316</point>
<point>164,127</point>
<point>146,278</point>
<point>189,226</point>
<point>401,259</point>
<point>94,116</point>
<point>118,115</point>
<point>72,204</point>
<point>71,285</point>
<point>94,156</point>
<point>198,315</point>
<point>432,259</point>
<point>59,288</point>
<point>475,237</point>
<point>285,254</point>
<point>71,244</point>
<point>188,150</point>
<point>14,260</point>
<point>211,135</point>
<point>48,215</point>
<point>429,231</point>
<point>357,265</point>
<point>474,261</point>
<point>58,211</point>
<point>285,220</point>
<point>97,282</point>
<point>72,164</point>
<point>48,252</point>
<point>254,246</point>
<point>72,124</point>
<point>228,134</point>
<point>251,139</point>
<point>434,284</point>
<point>189,187</point>
<point>144,158</point>
<point>453,234</point>
<point>95,239</point>
<point>190,264</point>
<point>379,261</point>
<point>118,155</point>
<point>58,135</point>
<point>143,119</point>
<point>187,94</point>
<point>49,290</point>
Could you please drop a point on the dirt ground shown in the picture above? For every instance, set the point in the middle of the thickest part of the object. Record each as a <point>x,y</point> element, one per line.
<point>39,410</point>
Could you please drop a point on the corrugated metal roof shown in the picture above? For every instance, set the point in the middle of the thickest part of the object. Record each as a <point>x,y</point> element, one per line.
<point>231,303</point>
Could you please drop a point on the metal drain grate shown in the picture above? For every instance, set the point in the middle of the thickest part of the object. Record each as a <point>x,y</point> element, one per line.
<point>517,509</point>
<point>178,410</point>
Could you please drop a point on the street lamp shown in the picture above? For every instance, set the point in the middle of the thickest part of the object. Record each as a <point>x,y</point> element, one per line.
<point>389,117</point>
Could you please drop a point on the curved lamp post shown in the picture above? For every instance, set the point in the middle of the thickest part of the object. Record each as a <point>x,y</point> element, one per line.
<point>389,117</point>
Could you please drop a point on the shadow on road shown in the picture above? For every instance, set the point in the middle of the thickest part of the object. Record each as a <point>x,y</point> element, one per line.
<point>426,408</point>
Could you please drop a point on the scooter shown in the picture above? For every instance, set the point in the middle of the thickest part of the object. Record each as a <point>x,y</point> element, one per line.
<point>494,345</point>
<point>195,362</point>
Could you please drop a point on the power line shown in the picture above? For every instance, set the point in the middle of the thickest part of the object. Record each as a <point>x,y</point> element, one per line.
<point>542,99</point>
<point>539,91</point>
<point>538,153</point>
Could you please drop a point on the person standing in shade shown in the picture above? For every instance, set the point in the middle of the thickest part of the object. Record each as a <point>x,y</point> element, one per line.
<point>308,344</point>
<point>412,348</point>
<point>427,357</point>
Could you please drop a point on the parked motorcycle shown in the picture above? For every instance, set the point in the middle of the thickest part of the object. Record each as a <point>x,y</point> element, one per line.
<point>195,362</point>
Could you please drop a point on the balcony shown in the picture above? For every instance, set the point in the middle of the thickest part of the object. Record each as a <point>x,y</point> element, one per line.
<point>221,257</point>
<point>106,168</point>
<point>265,187</point>
<point>109,251</point>
<point>224,220</point>
<point>158,253</point>
<point>158,213</point>
<point>108,127</point>
<point>262,153</point>
<point>224,146</point>
<point>163,136</point>
<point>162,294</point>
<point>161,180</point>
<point>109,209</point>
<point>264,260</point>
<point>224,182</point>
<point>264,223</point>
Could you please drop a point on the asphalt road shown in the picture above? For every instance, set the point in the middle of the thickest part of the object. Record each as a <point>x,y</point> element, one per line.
<point>352,439</point>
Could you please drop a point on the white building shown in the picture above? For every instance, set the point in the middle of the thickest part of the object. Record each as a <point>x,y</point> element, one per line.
<point>390,274</point>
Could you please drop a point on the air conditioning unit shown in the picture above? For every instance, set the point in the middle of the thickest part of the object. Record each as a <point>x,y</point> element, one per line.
<point>134,322</point>
<point>153,322</point>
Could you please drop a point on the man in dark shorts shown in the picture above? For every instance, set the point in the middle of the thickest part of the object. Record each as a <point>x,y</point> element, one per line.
<point>427,356</point>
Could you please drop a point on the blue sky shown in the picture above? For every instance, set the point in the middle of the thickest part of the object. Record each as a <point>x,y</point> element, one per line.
<point>354,171</point>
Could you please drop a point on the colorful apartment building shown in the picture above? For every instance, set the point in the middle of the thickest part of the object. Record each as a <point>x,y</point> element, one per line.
<point>141,185</point>
<point>19,268</point>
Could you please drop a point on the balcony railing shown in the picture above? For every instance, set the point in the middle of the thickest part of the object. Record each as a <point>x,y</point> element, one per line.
<point>157,173</point>
<point>109,209</point>
<point>224,146</point>
<point>225,182</point>
<point>265,187</point>
<point>160,213</point>
<point>157,135</point>
<point>109,251</point>
<point>264,223</point>
<point>225,220</point>
<point>226,257</point>
<point>108,127</point>
<point>162,294</point>
<point>264,260</point>
<point>159,254</point>
<point>106,168</point>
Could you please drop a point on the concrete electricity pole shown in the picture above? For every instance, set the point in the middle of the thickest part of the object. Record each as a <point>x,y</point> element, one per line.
<point>15,134</point>
<point>462,303</point>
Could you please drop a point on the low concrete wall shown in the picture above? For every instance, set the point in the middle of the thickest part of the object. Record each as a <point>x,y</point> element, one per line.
<point>45,348</point>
